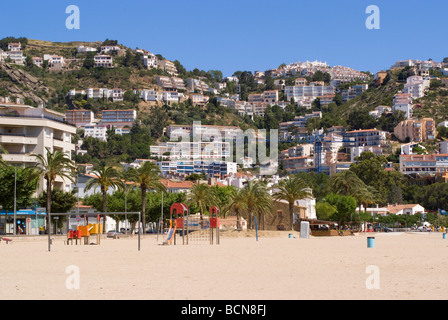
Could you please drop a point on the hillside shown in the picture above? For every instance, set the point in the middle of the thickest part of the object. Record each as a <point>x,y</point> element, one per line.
<point>35,85</point>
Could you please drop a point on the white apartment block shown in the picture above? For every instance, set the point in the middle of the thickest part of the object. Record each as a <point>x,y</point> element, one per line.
<point>300,93</point>
<point>416,86</point>
<point>17,57</point>
<point>103,61</point>
<point>357,151</point>
<point>424,164</point>
<point>149,60</point>
<point>194,85</point>
<point>170,83</point>
<point>212,150</point>
<point>83,49</point>
<point>187,167</point>
<point>403,102</point>
<point>150,95</point>
<point>171,97</point>
<point>203,132</point>
<point>54,61</point>
<point>115,94</point>
<point>14,46</point>
<point>95,131</point>
<point>25,131</point>
<point>108,48</point>
<point>37,61</point>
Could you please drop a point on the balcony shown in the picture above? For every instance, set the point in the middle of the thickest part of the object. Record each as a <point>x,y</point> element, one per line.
<point>17,139</point>
<point>18,158</point>
<point>63,145</point>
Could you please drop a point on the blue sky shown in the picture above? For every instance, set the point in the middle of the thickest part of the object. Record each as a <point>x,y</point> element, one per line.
<point>231,35</point>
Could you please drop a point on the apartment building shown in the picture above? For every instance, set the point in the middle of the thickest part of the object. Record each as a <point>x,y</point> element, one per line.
<point>103,61</point>
<point>14,46</point>
<point>416,130</point>
<point>297,164</point>
<point>416,86</point>
<point>170,83</point>
<point>187,167</point>
<point>423,164</point>
<point>109,48</point>
<point>379,78</point>
<point>119,116</point>
<point>150,95</point>
<point>25,130</point>
<point>212,150</point>
<point>171,97</point>
<point>199,99</point>
<point>357,151</point>
<point>205,132</point>
<point>115,94</point>
<point>270,97</point>
<point>97,131</point>
<point>79,117</point>
<point>302,92</point>
<point>403,102</point>
<point>55,61</point>
<point>168,66</point>
<point>84,49</point>
<point>196,85</point>
<point>150,60</point>
<point>38,61</point>
<point>300,82</point>
<point>17,57</point>
<point>255,98</point>
<point>367,137</point>
<point>353,92</point>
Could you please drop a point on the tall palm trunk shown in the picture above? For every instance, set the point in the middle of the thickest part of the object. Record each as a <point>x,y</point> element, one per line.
<point>249,217</point>
<point>143,209</point>
<point>104,192</point>
<point>291,217</point>
<point>238,219</point>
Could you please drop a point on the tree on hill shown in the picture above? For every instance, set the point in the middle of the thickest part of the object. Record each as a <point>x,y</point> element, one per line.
<point>5,41</point>
<point>108,42</point>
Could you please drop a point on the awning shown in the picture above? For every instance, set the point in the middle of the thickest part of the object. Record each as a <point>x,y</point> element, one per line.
<point>23,213</point>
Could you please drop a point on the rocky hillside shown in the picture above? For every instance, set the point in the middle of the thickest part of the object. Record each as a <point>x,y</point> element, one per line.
<point>20,84</point>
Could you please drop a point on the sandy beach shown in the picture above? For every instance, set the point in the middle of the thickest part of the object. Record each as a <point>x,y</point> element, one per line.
<point>407,266</point>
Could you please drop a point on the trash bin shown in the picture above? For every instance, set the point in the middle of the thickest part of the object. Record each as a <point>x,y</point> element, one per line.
<point>371,242</point>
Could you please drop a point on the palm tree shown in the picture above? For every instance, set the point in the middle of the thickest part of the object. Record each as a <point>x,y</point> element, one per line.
<point>49,167</point>
<point>106,177</point>
<point>237,204</point>
<point>203,196</point>
<point>257,199</point>
<point>346,183</point>
<point>291,189</point>
<point>146,177</point>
